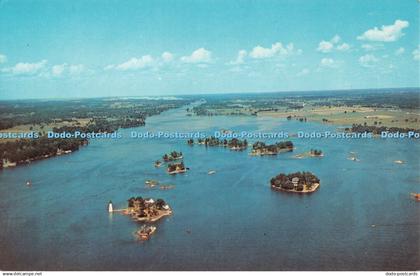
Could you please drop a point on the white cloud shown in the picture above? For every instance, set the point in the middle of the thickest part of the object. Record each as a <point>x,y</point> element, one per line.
<point>133,64</point>
<point>416,53</point>
<point>399,51</point>
<point>76,69</point>
<point>276,49</point>
<point>343,47</point>
<point>57,70</point>
<point>368,60</point>
<point>372,47</point>
<point>3,58</point>
<point>387,33</point>
<point>329,46</point>
<point>200,55</point>
<point>325,46</point>
<point>240,59</point>
<point>109,67</point>
<point>304,72</point>
<point>328,62</point>
<point>167,56</point>
<point>335,39</point>
<point>23,68</point>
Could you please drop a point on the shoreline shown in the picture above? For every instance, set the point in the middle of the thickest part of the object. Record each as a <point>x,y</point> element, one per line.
<point>162,213</point>
<point>316,186</point>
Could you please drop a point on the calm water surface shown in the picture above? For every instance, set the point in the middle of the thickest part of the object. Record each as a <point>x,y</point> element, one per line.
<point>231,220</point>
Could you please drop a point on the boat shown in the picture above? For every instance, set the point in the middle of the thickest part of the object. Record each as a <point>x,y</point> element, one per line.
<point>416,196</point>
<point>28,183</point>
<point>353,158</point>
<point>158,164</point>
<point>399,162</point>
<point>211,172</point>
<point>167,187</point>
<point>146,231</point>
<point>110,207</point>
<point>151,182</point>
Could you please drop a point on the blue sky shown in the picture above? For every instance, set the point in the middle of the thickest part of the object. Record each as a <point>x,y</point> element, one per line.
<point>55,49</point>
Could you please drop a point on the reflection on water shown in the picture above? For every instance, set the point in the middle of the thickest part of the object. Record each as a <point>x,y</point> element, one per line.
<point>230,220</point>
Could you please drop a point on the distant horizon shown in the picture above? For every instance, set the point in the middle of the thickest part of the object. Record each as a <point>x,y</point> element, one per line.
<point>375,90</point>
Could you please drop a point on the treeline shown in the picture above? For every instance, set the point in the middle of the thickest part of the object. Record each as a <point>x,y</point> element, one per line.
<point>359,128</point>
<point>26,150</point>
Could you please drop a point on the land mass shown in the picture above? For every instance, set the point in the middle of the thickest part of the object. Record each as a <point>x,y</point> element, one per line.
<point>383,107</point>
<point>104,115</point>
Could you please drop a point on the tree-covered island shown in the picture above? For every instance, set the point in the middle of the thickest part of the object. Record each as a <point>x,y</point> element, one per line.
<point>174,155</point>
<point>260,148</point>
<point>175,168</point>
<point>298,182</point>
<point>147,210</point>
<point>233,144</point>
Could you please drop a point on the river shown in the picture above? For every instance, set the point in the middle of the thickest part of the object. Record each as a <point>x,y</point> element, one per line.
<point>361,218</point>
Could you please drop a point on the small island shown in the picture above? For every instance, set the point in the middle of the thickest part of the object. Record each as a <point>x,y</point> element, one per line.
<point>260,148</point>
<point>172,156</point>
<point>311,153</point>
<point>176,168</point>
<point>316,153</point>
<point>232,144</point>
<point>147,210</point>
<point>298,182</point>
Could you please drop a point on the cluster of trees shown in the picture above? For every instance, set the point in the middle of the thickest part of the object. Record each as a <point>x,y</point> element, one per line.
<point>286,181</point>
<point>237,144</point>
<point>176,167</point>
<point>316,152</point>
<point>136,202</point>
<point>172,156</point>
<point>359,128</point>
<point>212,141</point>
<point>142,208</point>
<point>140,203</point>
<point>24,150</point>
<point>261,147</point>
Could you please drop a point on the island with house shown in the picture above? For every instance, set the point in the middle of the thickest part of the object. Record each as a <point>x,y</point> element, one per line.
<point>176,168</point>
<point>147,209</point>
<point>298,182</point>
<point>173,156</point>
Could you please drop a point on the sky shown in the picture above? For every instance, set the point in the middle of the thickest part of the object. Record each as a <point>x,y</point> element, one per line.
<point>95,48</point>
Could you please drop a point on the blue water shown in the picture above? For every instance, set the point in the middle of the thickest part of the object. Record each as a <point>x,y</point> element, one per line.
<point>230,220</point>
